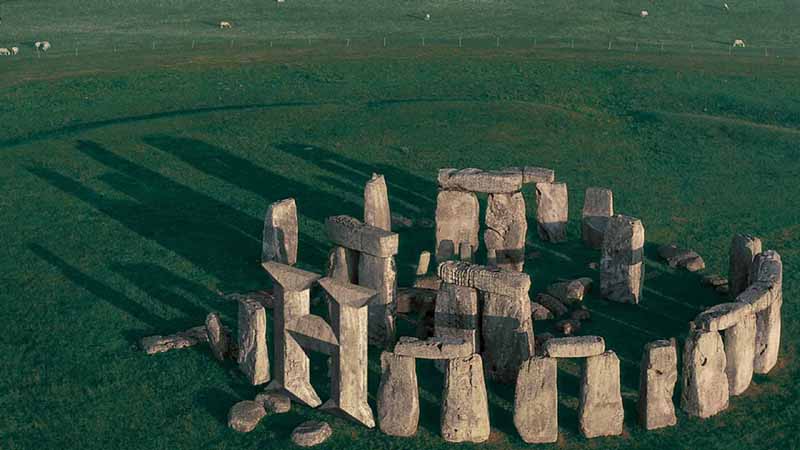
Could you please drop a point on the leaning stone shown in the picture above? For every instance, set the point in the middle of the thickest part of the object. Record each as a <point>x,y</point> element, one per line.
<point>355,235</point>
<point>253,357</point>
<point>507,332</point>
<point>705,384</point>
<point>311,433</point>
<point>158,344</point>
<point>219,338</point>
<point>280,236</point>
<point>457,220</point>
<point>539,312</point>
<point>536,401</point>
<point>600,410</point>
<point>553,304</point>
<point>723,316</point>
<point>376,203</point>
<point>740,343</point>
<point>552,211</point>
<point>245,416</point>
<point>487,279</point>
<point>398,396</point>
<point>476,180</point>
<point>575,347</point>
<point>659,373</point>
<point>424,263</point>
<point>274,402</point>
<point>380,274</point>
<point>744,248</point>
<point>433,348</point>
<point>506,229</point>
<point>621,264</point>
<point>568,327</point>
<point>465,405</point>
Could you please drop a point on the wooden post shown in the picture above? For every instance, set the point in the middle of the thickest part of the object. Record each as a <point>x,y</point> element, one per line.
<point>609,44</point>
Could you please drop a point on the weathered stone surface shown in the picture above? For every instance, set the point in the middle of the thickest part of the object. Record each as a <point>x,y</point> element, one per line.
<point>659,374</point>
<point>265,297</point>
<point>428,282</point>
<point>506,229</point>
<point>253,357</point>
<point>245,416</point>
<point>531,174</point>
<point>412,299</point>
<point>400,222</point>
<point>351,233</point>
<point>759,296</point>
<point>507,332</point>
<point>311,433</point>
<point>568,327</point>
<point>553,304</point>
<point>476,180</point>
<point>158,344</point>
<point>280,236</point>
<point>457,220</point>
<point>536,401</point>
<point>274,402</point>
<point>433,348</point>
<point>680,257</point>
<point>380,274</point>
<point>487,279</point>
<point>343,265</point>
<point>456,315</point>
<point>313,333</point>
<point>552,211</point>
<point>744,248</point>
<point>539,312</point>
<point>575,347</point>
<point>598,202</point>
<point>714,280</point>
<point>465,252</point>
<point>705,384</point>
<point>290,278</point>
<point>540,339</point>
<point>621,263</point>
<point>376,203</point>
<point>424,263</point>
<point>767,270</point>
<point>740,344</point>
<point>600,410</point>
<point>580,315</point>
<point>219,338</point>
<point>723,316</point>
<point>398,396</point>
<point>570,292</point>
<point>593,230</point>
<point>465,405</point>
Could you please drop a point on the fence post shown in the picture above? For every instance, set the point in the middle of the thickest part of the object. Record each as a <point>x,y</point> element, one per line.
<point>535,41</point>
<point>662,46</point>
<point>637,47</point>
<point>423,41</point>
<point>270,44</point>
<point>498,41</point>
<point>154,45</point>
<point>459,42</point>
<point>192,44</point>
<point>609,44</point>
<point>384,42</point>
<point>572,43</point>
<point>348,42</point>
<point>766,53</point>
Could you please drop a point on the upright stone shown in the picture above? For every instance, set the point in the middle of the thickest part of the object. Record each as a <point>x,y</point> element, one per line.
<point>398,396</point>
<point>552,211</point>
<point>279,242</point>
<point>218,337</point>
<point>507,332</point>
<point>424,263</point>
<point>740,344</point>
<point>465,252</point>
<point>536,401</point>
<point>465,405</point>
<point>744,248</point>
<point>342,267</point>
<point>456,314</point>
<point>621,263</point>
<point>376,203</point>
<point>253,357</point>
<point>767,270</point>
<point>600,410</point>
<point>457,220</point>
<point>705,385</point>
<point>598,207</point>
<point>659,373</point>
<point>506,229</point>
<point>380,274</point>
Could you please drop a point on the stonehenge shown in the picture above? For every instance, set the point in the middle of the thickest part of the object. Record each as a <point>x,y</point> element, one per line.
<point>280,237</point>
<point>705,383</point>
<point>457,222</point>
<point>767,274</point>
<point>506,229</point>
<point>575,347</point>
<point>657,379</point>
<point>376,203</point>
<point>621,262</point>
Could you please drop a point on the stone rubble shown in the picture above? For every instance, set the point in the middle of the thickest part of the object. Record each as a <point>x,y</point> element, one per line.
<point>680,257</point>
<point>158,344</point>
<point>311,433</point>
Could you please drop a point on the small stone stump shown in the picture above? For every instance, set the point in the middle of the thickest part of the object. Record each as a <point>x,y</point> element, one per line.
<point>245,416</point>
<point>311,433</point>
<point>659,374</point>
<point>275,402</point>
<point>600,410</point>
<point>398,396</point>
<point>465,405</point>
<point>536,401</point>
<point>219,338</point>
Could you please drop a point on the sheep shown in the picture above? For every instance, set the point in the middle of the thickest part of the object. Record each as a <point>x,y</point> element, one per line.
<point>644,14</point>
<point>5,52</point>
<point>14,50</point>
<point>427,16</point>
<point>42,45</point>
<point>225,24</point>
<point>739,43</point>
<point>725,5</point>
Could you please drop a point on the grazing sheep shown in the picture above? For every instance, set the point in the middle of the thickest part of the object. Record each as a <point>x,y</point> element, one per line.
<point>725,5</point>
<point>427,16</point>
<point>644,14</point>
<point>42,45</point>
<point>225,24</point>
<point>14,50</point>
<point>739,43</point>
<point>5,52</point>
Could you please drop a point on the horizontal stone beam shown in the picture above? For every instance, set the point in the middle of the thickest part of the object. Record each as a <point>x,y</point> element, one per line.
<point>487,279</point>
<point>532,174</point>
<point>347,294</point>
<point>351,233</point>
<point>290,278</point>
<point>476,180</point>
<point>759,295</point>
<point>313,333</point>
<point>723,316</point>
<point>574,347</point>
<point>433,348</point>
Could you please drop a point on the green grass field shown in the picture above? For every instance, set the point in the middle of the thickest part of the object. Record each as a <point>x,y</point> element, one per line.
<point>135,185</point>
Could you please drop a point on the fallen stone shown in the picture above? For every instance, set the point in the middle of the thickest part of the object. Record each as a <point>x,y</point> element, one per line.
<point>465,405</point>
<point>723,316</point>
<point>740,344</point>
<point>705,384</point>
<point>351,233</point>
<point>426,223</point>
<point>575,347</point>
<point>679,257</point>
<point>433,348</point>
<point>476,180</point>
<point>659,374</point>
<point>723,289</point>
<point>714,280</point>
<point>487,279</point>
<point>457,220</point>
<point>506,229</point>
<point>744,248</point>
<point>600,410</point>
<point>219,338</point>
<point>253,356</point>
<point>580,315</point>
<point>274,402</point>
<point>536,401</point>
<point>507,332</point>
<point>432,282</point>
<point>552,211</point>
<point>280,235</point>
<point>424,263</point>
<point>553,304</point>
<point>311,433</point>
<point>400,222</point>
<point>398,396</point>
<point>621,264</point>
<point>570,292</point>
<point>376,203</point>
<point>412,299</point>
<point>265,297</point>
<point>568,327</point>
<point>158,344</point>
<point>245,416</point>
<point>539,312</point>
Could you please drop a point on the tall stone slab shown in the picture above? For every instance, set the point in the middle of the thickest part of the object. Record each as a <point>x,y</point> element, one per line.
<point>536,401</point>
<point>767,270</point>
<point>376,203</point>
<point>506,229</point>
<point>253,358</point>
<point>552,211</point>
<point>744,248</point>
<point>219,338</point>
<point>342,267</point>
<point>621,263</point>
<point>507,334</point>
<point>457,221</point>
<point>740,343</point>
<point>659,374</point>
<point>292,300</point>
<point>380,274</point>
<point>456,314</point>
<point>280,237</point>
<point>349,360</point>
<point>705,384</point>
<point>598,208</point>
<point>600,410</point>
<point>398,396</point>
<point>465,404</point>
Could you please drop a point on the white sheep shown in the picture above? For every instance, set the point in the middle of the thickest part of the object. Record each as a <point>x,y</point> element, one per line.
<point>42,45</point>
<point>225,24</point>
<point>739,43</point>
<point>5,52</point>
<point>427,16</point>
<point>14,50</point>
<point>644,14</point>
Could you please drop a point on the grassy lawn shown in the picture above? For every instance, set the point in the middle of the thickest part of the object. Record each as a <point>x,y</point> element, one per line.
<point>135,186</point>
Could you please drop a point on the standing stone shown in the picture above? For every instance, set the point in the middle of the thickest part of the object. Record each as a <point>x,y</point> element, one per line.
<point>424,263</point>
<point>506,229</point>
<point>457,220</point>
<point>456,314</point>
<point>253,357</point>
<point>507,331</point>
<point>465,252</point>
<point>536,401</point>
<point>743,249</point>
<point>380,274</point>
<point>376,203</point>
<point>279,242</point>
<point>600,410</point>
<point>705,385</point>
<point>218,337</point>
<point>465,405</point>
<point>659,373</point>
<point>598,207</point>
<point>767,271</point>
<point>740,344</point>
<point>342,267</point>
<point>621,263</point>
<point>398,396</point>
<point>552,211</point>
